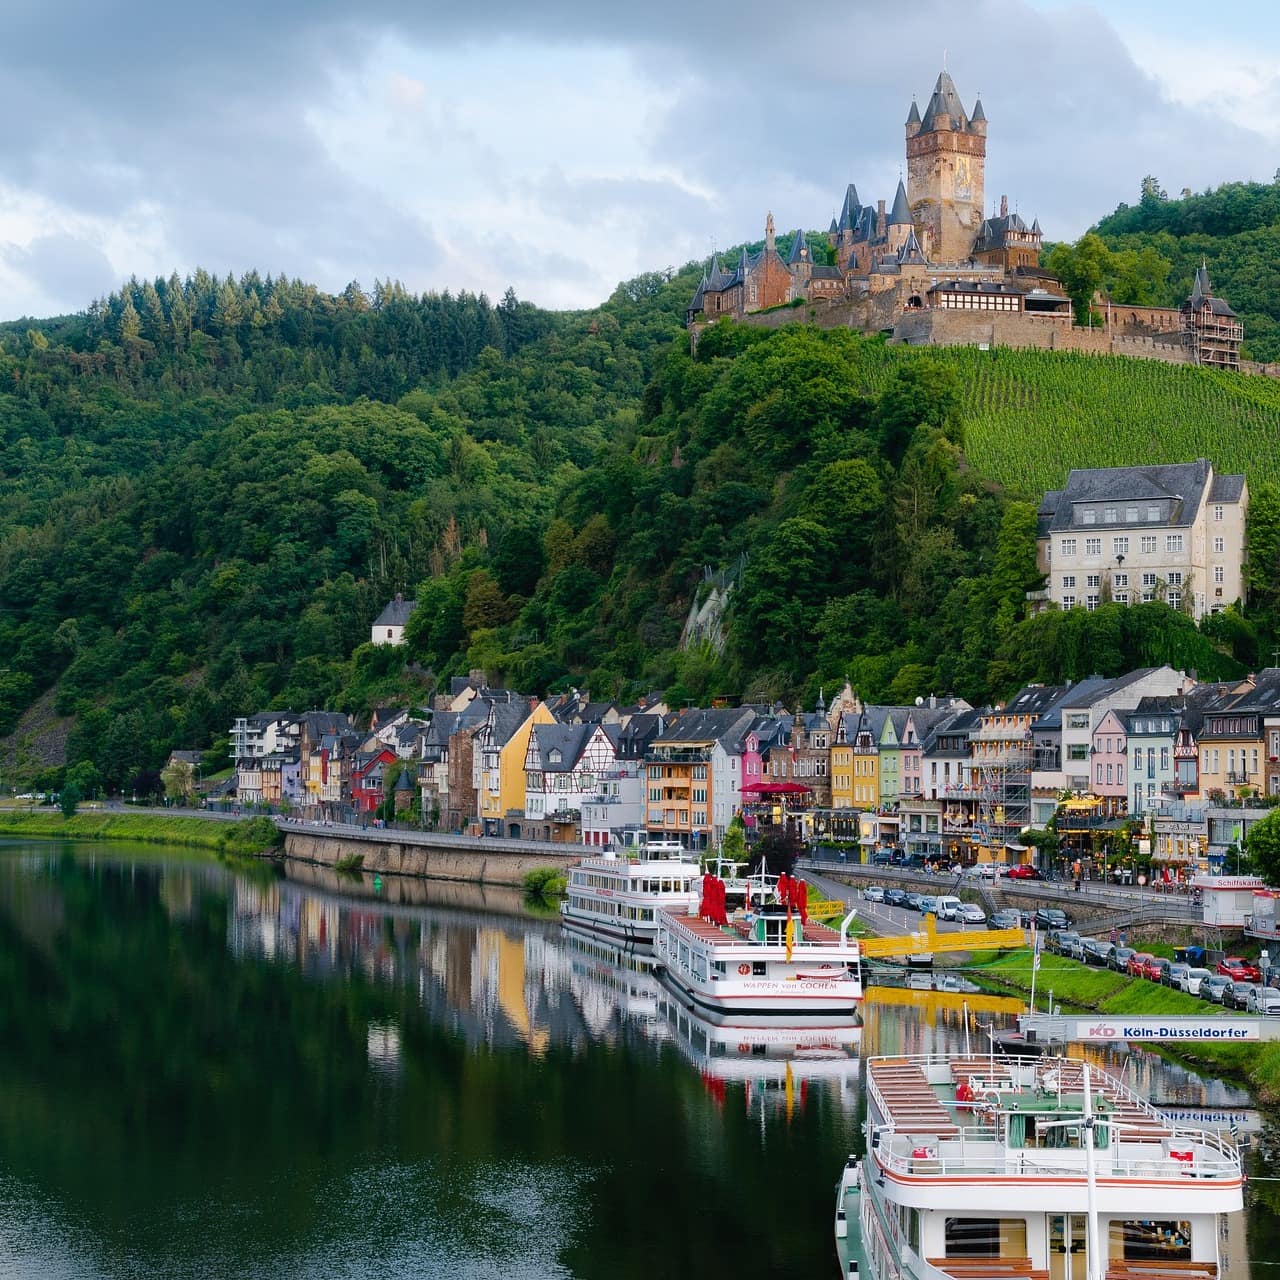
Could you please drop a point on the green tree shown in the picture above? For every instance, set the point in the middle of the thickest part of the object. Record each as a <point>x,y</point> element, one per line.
<point>69,799</point>
<point>734,845</point>
<point>1082,268</point>
<point>1262,845</point>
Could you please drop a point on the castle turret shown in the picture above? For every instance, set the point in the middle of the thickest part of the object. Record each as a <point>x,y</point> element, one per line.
<point>900,221</point>
<point>946,164</point>
<point>913,120</point>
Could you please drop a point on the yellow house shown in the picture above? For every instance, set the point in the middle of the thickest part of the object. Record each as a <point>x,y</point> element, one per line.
<point>842,776</point>
<point>1233,757</point>
<point>502,771</point>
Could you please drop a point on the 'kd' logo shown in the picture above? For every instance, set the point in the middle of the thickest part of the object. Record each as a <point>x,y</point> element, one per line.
<point>1102,1032</point>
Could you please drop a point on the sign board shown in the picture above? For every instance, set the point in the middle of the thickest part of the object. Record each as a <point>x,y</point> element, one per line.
<point>1232,1030</point>
<point>1228,884</point>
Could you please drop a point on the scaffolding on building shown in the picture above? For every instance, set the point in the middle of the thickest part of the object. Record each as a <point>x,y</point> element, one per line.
<point>1002,779</point>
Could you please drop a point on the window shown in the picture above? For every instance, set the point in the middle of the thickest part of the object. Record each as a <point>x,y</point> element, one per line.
<point>1091,603</point>
<point>1164,758</point>
<point>1122,597</point>
<point>1090,517</point>
<point>1173,542</point>
<point>1068,602</point>
<point>1120,579</point>
<point>1069,581</point>
<point>1131,515</point>
<point>1147,545</point>
<point>1078,720</point>
<point>1219,546</point>
<point>1174,599</point>
<point>1153,513</point>
<point>1219,574</point>
<point>1148,579</point>
<point>1119,546</point>
<point>1110,774</point>
<point>1093,580</point>
<point>1093,546</point>
<point>1218,512</point>
<point>1175,577</point>
<point>1077,751</point>
<point>1109,515</point>
<point>1068,546</point>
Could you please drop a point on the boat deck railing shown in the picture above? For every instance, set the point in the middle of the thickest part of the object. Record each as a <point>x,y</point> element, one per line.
<point>976,1152</point>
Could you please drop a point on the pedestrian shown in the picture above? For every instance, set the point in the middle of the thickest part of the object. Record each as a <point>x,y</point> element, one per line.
<point>1077,884</point>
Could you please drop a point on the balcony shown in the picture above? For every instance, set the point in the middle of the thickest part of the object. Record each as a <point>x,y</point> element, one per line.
<point>1240,779</point>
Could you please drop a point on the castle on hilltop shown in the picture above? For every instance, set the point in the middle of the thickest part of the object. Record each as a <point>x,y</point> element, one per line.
<point>936,269</point>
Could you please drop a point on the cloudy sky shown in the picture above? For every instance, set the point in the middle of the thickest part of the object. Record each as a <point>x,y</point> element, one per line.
<point>564,145</point>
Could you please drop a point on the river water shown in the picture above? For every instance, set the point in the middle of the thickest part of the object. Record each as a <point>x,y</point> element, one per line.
<point>210,1072</point>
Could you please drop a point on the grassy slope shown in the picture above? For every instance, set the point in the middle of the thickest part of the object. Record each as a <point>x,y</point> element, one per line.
<point>1030,416</point>
<point>191,833</point>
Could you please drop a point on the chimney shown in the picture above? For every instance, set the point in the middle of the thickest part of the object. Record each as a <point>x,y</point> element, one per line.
<point>880,222</point>
<point>1004,206</point>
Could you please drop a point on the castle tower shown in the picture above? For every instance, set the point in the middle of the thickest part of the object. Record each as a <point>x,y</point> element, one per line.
<point>901,225</point>
<point>946,167</point>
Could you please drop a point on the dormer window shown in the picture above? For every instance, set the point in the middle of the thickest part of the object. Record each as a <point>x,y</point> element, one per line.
<point>553,756</point>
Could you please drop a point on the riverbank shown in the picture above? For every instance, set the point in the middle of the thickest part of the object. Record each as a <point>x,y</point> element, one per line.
<point>1078,986</point>
<point>250,836</point>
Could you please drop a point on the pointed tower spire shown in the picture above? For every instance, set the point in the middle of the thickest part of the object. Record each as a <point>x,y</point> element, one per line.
<point>901,212</point>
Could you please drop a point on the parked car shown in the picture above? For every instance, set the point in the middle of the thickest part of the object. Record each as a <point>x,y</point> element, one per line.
<point>1138,963</point>
<point>928,904</point>
<point>1004,919</point>
<point>982,871</point>
<point>1119,958</point>
<point>1237,994</point>
<point>1214,988</point>
<point>912,900</point>
<point>947,907</point>
<point>1174,974</point>
<point>971,913</point>
<point>1050,918</point>
<point>895,897</point>
<point>1158,969</point>
<point>1193,980</point>
<point>1022,872</point>
<point>873,893</point>
<point>1238,969</point>
<point>882,857</point>
<point>1066,943</point>
<point>1098,952</point>
<point>1263,1000</point>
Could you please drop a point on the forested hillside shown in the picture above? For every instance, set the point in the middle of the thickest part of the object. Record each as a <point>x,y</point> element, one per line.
<point>209,488</point>
<point>1234,229</point>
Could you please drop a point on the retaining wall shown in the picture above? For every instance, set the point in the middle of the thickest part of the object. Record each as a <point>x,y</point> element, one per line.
<point>477,861</point>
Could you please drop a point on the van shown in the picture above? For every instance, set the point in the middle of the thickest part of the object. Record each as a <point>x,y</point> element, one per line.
<point>947,908</point>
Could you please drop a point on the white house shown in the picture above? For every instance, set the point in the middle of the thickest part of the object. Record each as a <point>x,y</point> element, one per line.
<point>389,625</point>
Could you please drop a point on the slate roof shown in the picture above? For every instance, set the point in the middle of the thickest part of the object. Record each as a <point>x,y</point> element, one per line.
<point>698,725</point>
<point>396,614</point>
<point>850,210</point>
<point>913,116</point>
<point>798,249</point>
<point>979,116</point>
<point>910,250</point>
<point>900,214</point>
<point>994,232</point>
<point>1183,484</point>
<point>1033,699</point>
<point>825,273</point>
<point>1226,488</point>
<point>945,101</point>
<point>1202,292</point>
<point>568,739</point>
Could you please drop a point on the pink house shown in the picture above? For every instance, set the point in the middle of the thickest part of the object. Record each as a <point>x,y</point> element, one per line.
<point>1107,755</point>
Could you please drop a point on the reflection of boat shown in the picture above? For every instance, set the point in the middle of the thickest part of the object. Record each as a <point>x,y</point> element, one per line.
<point>620,897</point>
<point>612,976</point>
<point>987,1168</point>
<point>762,1049</point>
<point>767,959</point>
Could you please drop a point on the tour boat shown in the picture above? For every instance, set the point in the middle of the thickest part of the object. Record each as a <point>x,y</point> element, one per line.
<point>765,959</point>
<point>621,897</point>
<point>981,1167</point>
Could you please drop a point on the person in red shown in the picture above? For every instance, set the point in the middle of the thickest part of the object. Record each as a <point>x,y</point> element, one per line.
<point>964,1094</point>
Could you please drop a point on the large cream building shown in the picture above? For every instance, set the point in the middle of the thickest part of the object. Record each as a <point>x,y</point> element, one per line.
<point>1132,534</point>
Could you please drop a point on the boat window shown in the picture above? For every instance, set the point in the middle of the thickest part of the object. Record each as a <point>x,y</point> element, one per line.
<point>1144,1240</point>
<point>986,1237</point>
<point>757,968</point>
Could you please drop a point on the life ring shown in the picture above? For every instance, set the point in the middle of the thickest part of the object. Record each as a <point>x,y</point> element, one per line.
<point>744,969</point>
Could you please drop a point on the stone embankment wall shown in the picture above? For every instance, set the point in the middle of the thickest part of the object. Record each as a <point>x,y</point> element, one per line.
<point>438,857</point>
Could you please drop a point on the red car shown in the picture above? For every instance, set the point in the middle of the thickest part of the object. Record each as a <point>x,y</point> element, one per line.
<point>1137,966</point>
<point>1022,873</point>
<point>1153,970</point>
<point>1239,969</point>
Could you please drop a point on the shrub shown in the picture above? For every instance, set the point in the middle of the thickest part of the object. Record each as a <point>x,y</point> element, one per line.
<point>546,882</point>
<point>350,862</point>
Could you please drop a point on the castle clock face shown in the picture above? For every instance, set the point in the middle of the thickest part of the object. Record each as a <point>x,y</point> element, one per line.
<point>964,189</point>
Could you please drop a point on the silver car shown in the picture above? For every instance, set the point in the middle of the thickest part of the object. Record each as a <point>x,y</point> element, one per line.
<point>971,913</point>
<point>1263,1000</point>
<point>1191,981</point>
<point>873,893</point>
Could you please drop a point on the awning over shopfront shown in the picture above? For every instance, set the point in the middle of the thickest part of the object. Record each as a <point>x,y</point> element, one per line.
<point>1082,804</point>
<point>774,789</point>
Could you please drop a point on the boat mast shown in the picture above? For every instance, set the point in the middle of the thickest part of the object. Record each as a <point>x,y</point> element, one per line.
<point>1092,1269</point>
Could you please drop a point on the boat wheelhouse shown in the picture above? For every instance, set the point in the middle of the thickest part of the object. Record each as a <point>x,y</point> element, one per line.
<point>989,1168</point>
<point>766,958</point>
<point>621,897</point>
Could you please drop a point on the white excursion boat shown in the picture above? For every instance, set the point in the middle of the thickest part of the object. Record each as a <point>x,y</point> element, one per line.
<point>985,1168</point>
<point>766,958</point>
<point>619,897</point>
